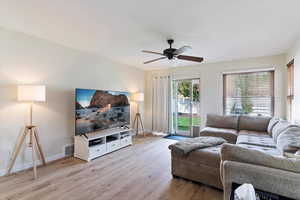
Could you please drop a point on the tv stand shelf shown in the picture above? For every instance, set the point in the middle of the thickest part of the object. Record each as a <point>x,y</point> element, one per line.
<point>94,145</point>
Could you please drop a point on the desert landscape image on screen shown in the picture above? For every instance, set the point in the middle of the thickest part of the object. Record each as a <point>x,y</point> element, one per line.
<point>98,110</point>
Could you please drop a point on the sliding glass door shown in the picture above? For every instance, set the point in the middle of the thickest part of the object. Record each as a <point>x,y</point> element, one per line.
<point>185,106</point>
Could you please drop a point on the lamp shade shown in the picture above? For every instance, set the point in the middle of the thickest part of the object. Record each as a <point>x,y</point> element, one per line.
<point>32,93</point>
<point>138,97</point>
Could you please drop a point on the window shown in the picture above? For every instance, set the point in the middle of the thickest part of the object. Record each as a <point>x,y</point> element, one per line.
<point>249,93</point>
<point>290,90</point>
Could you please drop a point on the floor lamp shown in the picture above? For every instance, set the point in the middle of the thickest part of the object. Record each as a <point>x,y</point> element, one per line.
<point>138,97</point>
<point>30,93</point>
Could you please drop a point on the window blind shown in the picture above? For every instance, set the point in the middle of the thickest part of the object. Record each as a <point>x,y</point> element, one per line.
<point>249,93</point>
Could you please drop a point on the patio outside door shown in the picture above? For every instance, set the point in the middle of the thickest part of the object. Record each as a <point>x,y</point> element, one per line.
<point>185,106</point>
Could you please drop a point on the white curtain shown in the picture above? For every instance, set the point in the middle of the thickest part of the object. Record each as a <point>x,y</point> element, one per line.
<point>161,104</point>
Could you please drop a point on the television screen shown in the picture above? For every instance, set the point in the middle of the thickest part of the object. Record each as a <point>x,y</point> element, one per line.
<point>98,109</point>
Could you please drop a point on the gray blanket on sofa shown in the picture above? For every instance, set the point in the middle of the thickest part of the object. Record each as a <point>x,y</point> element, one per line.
<point>186,146</point>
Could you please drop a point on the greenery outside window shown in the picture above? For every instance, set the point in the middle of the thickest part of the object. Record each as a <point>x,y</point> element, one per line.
<point>186,106</point>
<point>249,93</point>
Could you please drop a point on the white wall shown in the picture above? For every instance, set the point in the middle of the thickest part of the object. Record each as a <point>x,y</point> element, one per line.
<point>28,60</point>
<point>212,84</point>
<point>294,53</point>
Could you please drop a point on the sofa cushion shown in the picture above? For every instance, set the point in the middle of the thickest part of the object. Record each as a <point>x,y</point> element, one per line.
<point>230,135</point>
<point>256,139</point>
<point>271,125</point>
<point>254,123</point>
<point>281,126</point>
<point>267,150</point>
<point>257,157</point>
<point>257,133</point>
<point>289,140</point>
<point>219,121</point>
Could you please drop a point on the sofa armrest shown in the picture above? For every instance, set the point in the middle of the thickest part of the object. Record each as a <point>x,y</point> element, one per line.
<point>277,181</point>
<point>230,135</point>
<point>243,155</point>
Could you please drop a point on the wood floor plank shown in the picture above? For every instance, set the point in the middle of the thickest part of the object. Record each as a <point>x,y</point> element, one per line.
<point>139,172</point>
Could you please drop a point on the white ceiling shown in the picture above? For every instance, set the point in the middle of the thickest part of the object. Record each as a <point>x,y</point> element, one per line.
<point>217,30</point>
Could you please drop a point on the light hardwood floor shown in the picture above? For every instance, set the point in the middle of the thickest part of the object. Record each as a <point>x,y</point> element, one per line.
<point>139,172</point>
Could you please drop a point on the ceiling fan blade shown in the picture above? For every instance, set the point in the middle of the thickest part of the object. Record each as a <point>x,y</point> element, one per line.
<point>150,61</point>
<point>152,52</point>
<point>190,58</point>
<point>182,50</point>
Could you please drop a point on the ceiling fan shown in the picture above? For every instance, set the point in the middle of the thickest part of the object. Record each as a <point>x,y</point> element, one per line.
<point>172,53</point>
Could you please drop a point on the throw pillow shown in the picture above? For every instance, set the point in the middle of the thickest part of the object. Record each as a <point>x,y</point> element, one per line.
<point>281,126</point>
<point>289,140</point>
<point>272,123</point>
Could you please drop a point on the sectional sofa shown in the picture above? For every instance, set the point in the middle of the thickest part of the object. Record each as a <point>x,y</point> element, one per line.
<point>256,153</point>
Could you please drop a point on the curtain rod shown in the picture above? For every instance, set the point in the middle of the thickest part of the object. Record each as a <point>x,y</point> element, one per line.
<point>250,70</point>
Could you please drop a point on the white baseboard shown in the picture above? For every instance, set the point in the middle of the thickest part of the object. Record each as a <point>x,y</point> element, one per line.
<point>27,165</point>
<point>159,133</point>
<point>148,131</point>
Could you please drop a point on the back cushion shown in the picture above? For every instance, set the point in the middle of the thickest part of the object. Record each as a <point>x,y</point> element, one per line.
<point>271,125</point>
<point>251,123</point>
<point>219,121</point>
<point>289,140</point>
<point>281,126</point>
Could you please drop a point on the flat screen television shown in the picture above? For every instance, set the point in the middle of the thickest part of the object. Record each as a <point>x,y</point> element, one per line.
<point>99,109</point>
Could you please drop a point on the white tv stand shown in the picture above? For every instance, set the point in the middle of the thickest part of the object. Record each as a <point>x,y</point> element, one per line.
<point>93,145</point>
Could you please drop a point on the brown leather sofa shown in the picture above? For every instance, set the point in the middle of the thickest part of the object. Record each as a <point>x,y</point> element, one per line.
<point>270,136</point>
